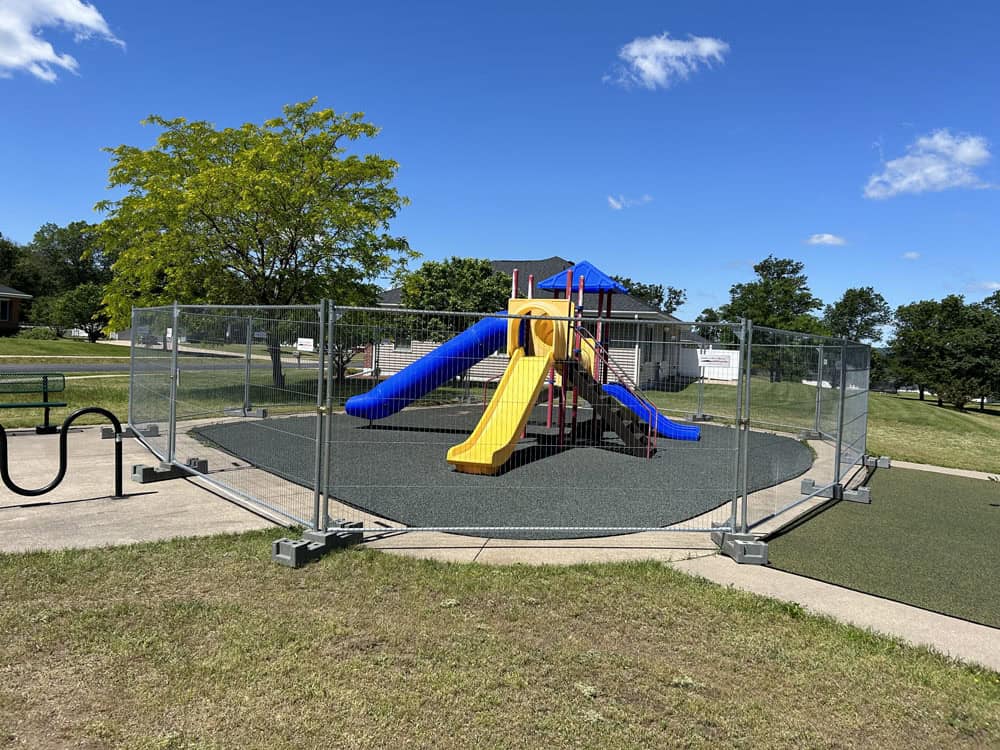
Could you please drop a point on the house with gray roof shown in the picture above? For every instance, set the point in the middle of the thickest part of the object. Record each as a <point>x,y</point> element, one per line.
<point>12,302</point>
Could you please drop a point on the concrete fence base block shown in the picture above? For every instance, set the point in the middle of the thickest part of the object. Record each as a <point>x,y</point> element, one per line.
<point>239,411</point>
<point>837,492</point>
<point>809,435</point>
<point>294,553</point>
<point>108,433</point>
<point>700,417</point>
<point>746,549</point>
<point>860,495</point>
<point>878,462</point>
<point>809,487</point>
<point>144,474</point>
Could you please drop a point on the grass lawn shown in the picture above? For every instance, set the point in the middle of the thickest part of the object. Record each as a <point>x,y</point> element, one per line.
<point>908,429</point>
<point>926,539</point>
<point>207,644</point>
<point>15,347</point>
<point>900,426</point>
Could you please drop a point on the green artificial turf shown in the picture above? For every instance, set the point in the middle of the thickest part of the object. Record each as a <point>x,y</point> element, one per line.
<point>930,540</point>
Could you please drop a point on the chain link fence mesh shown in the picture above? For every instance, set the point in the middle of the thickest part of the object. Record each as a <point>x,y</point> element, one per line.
<point>523,426</point>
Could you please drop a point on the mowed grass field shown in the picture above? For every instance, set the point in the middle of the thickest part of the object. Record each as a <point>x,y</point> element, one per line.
<point>900,426</point>
<point>205,643</point>
<point>25,351</point>
<point>927,539</point>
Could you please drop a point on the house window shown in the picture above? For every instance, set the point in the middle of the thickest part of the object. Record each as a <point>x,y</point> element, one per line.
<point>4,310</point>
<point>402,343</point>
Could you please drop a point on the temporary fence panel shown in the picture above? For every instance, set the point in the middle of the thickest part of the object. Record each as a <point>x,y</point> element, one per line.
<point>390,458</point>
<point>496,425</point>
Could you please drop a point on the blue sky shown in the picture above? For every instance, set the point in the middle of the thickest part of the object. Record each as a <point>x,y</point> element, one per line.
<point>675,143</point>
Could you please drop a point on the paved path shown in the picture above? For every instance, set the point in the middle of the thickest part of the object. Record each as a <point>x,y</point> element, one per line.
<point>945,470</point>
<point>81,513</point>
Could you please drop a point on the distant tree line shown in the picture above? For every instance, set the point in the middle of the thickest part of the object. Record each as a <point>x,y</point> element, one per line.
<point>948,346</point>
<point>66,272</point>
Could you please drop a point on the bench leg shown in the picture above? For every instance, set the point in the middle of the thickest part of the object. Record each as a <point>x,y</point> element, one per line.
<point>46,429</point>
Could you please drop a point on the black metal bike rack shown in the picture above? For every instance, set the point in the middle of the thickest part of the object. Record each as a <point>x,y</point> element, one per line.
<point>63,434</point>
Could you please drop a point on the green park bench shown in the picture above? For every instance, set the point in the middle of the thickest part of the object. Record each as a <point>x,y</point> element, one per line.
<point>32,383</point>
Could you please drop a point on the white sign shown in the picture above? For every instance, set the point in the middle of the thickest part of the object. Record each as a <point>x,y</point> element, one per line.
<point>304,345</point>
<point>714,359</point>
<point>170,333</point>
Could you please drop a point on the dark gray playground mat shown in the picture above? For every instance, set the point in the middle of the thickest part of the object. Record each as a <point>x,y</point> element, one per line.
<point>396,469</point>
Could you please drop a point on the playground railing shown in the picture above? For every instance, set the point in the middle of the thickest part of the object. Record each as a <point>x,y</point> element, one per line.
<point>608,362</point>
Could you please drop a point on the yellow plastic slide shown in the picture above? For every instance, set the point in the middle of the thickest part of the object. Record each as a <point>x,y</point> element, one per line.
<point>492,442</point>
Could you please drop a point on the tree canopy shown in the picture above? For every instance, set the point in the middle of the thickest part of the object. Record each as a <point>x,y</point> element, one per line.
<point>948,346</point>
<point>778,298</point>
<point>456,285</point>
<point>272,213</point>
<point>858,315</point>
<point>666,299</point>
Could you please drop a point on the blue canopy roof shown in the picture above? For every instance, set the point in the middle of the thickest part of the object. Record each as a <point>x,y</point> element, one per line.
<point>595,280</point>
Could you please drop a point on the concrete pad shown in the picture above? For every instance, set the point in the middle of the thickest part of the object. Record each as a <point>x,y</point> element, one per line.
<point>954,637</point>
<point>81,513</point>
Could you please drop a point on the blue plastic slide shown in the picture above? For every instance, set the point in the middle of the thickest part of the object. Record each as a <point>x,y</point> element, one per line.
<point>642,409</point>
<point>436,368</point>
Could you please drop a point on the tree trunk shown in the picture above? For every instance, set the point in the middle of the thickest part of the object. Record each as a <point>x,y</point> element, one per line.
<point>982,403</point>
<point>921,389</point>
<point>940,401</point>
<point>274,350</point>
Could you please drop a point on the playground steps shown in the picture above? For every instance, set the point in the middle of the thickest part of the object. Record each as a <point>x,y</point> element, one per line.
<point>609,415</point>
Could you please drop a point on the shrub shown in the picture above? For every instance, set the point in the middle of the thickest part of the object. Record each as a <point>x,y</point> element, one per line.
<point>39,333</point>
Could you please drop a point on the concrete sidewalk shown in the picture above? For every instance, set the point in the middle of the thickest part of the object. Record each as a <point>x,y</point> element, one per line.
<point>81,513</point>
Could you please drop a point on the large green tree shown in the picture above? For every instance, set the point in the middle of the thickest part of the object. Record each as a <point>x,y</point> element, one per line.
<point>666,299</point>
<point>915,347</point>
<point>779,297</point>
<point>62,258</point>
<point>80,307</point>
<point>456,285</point>
<point>858,315</point>
<point>277,213</point>
<point>948,346</point>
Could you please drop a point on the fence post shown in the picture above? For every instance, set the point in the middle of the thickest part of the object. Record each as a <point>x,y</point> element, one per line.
<point>737,461</point>
<point>319,516</point>
<point>331,311</point>
<point>819,393</point>
<point>172,427</point>
<point>131,370</point>
<point>838,458</point>
<point>248,367</point>
<point>745,465</point>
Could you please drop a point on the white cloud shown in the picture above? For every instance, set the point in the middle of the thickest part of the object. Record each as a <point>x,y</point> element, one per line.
<point>825,239</point>
<point>617,203</point>
<point>934,162</point>
<point>22,47</point>
<point>985,286</point>
<point>911,256</point>
<point>658,61</point>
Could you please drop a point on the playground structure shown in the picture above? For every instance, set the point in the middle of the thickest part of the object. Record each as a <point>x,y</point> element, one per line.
<point>547,345</point>
<point>305,412</point>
